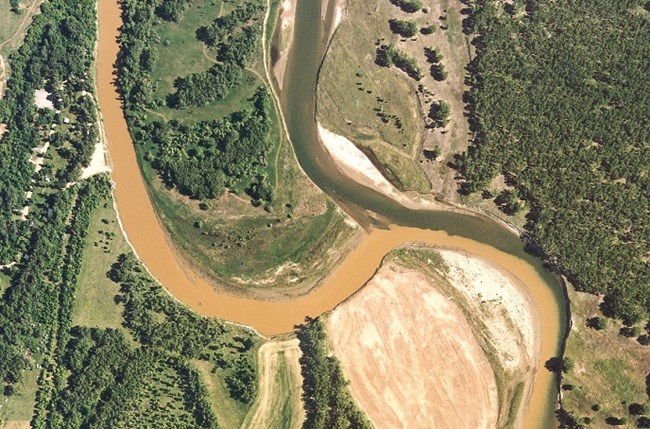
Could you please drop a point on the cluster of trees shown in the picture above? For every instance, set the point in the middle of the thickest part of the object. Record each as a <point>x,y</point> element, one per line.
<point>58,47</point>
<point>204,158</point>
<point>405,28</point>
<point>439,113</point>
<point>409,6</point>
<point>108,381</point>
<point>389,55</point>
<point>222,27</point>
<point>438,70</point>
<point>328,403</point>
<point>559,105</point>
<point>171,10</point>
<point>235,40</point>
<point>204,87</point>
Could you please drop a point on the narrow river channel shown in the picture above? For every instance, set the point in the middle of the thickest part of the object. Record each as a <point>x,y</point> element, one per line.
<point>478,235</point>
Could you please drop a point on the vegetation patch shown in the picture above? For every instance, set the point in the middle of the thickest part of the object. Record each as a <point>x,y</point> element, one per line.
<point>328,403</point>
<point>376,89</point>
<point>609,375</point>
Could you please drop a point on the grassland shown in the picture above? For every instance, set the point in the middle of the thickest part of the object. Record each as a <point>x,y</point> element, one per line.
<point>14,25</point>
<point>95,306</point>
<point>290,242</point>
<point>382,110</point>
<point>18,409</point>
<point>610,369</point>
<point>230,413</point>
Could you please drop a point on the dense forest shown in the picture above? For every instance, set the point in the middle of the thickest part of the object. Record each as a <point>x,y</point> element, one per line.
<point>204,158</point>
<point>560,106</point>
<point>89,377</point>
<point>57,49</point>
<point>328,403</point>
<point>107,380</point>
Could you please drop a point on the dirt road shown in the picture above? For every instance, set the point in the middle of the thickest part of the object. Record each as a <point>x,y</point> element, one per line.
<point>278,403</point>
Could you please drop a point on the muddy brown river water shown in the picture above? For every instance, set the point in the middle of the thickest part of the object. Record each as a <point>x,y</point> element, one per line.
<point>477,235</point>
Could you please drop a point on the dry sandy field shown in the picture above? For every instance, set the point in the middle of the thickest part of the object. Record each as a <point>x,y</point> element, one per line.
<point>411,356</point>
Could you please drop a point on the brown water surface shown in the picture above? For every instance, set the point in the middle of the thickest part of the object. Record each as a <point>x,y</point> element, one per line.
<point>149,240</point>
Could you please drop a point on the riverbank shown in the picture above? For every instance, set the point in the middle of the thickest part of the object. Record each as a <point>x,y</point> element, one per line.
<point>492,306</point>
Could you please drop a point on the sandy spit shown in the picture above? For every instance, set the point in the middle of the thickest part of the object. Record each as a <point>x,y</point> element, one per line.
<point>357,166</point>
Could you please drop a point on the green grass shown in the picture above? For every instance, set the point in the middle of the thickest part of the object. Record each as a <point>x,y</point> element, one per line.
<point>230,413</point>
<point>94,305</point>
<point>4,282</point>
<point>283,409</point>
<point>352,89</point>
<point>610,369</point>
<point>12,28</point>
<point>249,246</point>
<point>20,407</point>
<point>178,53</point>
<point>515,403</point>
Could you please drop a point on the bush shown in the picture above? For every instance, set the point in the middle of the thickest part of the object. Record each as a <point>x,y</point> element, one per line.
<point>439,113</point>
<point>598,323</point>
<point>403,28</point>
<point>429,29</point>
<point>409,6</point>
<point>637,409</point>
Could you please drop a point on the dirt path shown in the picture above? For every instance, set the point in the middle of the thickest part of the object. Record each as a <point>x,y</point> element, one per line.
<point>22,25</point>
<point>411,357</point>
<point>278,403</point>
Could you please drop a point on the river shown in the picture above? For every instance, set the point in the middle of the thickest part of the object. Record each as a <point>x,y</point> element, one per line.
<point>475,234</point>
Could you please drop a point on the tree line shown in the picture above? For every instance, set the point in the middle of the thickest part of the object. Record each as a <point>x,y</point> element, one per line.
<point>559,105</point>
<point>328,403</point>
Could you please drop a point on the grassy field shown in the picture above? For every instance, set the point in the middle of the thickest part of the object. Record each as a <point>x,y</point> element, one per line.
<point>230,413</point>
<point>244,245</point>
<point>178,53</point>
<point>610,370</point>
<point>94,305</point>
<point>20,407</point>
<point>279,401</point>
<point>14,25</point>
<point>4,282</point>
<point>381,109</point>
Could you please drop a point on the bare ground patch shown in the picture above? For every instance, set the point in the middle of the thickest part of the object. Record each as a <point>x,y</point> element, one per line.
<point>411,357</point>
<point>278,403</point>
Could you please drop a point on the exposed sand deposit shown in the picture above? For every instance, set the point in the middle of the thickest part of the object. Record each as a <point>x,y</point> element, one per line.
<point>274,393</point>
<point>284,39</point>
<point>353,163</point>
<point>501,301</point>
<point>41,100</point>
<point>97,162</point>
<point>411,357</point>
